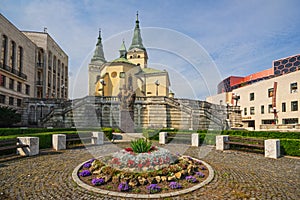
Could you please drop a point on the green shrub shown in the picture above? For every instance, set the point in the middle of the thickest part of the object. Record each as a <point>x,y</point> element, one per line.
<point>9,116</point>
<point>141,145</point>
<point>290,147</point>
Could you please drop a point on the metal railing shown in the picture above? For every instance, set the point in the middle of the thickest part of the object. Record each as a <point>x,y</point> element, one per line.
<point>13,71</point>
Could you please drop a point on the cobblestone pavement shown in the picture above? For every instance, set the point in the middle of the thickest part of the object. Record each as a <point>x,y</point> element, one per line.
<point>238,175</point>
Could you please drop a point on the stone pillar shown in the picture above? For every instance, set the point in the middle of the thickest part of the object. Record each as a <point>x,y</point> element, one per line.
<point>195,139</point>
<point>220,145</point>
<point>98,138</point>
<point>272,148</point>
<point>33,146</point>
<point>59,141</point>
<point>162,137</point>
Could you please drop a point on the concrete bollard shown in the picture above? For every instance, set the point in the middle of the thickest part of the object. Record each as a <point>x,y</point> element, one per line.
<point>32,142</point>
<point>220,142</point>
<point>162,137</point>
<point>59,141</point>
<point>195,139</point>
<point>99,138</point>
<point>272,148</point>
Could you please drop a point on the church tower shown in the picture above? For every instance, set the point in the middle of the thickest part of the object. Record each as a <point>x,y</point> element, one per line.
<point>96,65</point>
<point>137,53</point>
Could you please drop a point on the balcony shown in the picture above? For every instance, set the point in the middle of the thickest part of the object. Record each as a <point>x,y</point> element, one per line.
<point>40,65</point>
<point>13,71</point>
<point>39,83</point>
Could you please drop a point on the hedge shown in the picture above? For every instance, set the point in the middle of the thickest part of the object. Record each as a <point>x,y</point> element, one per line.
<point>263,134</point>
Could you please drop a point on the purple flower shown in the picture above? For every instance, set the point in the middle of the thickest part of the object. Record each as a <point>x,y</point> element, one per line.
<point>87,165</point>
<point>153,188</point>
<point>191,179</point>
<point>123,187</point>
<point>92,160</point>
<point>97,181</point>
<point>203,168</point>
<point>174,185</point>
<point>200,174</point>
<point>84,173</point>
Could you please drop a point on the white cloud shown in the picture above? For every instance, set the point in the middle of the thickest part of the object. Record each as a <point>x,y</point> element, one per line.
<point>242,36</point>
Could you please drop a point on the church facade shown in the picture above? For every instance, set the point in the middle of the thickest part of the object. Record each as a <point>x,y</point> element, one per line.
<point>129,71</point>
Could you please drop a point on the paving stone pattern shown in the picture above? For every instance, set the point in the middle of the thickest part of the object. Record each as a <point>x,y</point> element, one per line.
<point>238,175</point>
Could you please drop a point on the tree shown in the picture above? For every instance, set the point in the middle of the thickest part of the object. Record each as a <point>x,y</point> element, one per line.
<point>9,116</point>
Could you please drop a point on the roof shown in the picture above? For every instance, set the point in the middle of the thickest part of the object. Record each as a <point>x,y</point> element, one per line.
<point>151,71</point>
<point>122,60</point>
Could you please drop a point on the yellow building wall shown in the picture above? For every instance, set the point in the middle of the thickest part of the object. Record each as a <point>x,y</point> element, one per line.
<point>162,89</point>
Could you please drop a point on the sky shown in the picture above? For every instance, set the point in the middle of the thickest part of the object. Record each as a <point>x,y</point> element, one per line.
<point>198,42</point>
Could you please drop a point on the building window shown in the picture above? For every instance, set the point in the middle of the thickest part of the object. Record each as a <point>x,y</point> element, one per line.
<point>270,109</point>
<point>4,50</point>
<point>11,83</point>
<point>245,111</point>
<point>252,96</point>
<point>19,87</point>
<point>262,109</point>
<point>2,80</point>
<point>293,88</point>
<point>11,101</point>
<point>122,74</point>
<point>252,111</point>
<point>12,56</point>
<point>19,102</point>
<point>283,107</point>
<point>294,106</point>
<point>20,59</point>
<point>27,91</point>
<point>290,121</point>
<point>270,92</point>
<point>2,98</point>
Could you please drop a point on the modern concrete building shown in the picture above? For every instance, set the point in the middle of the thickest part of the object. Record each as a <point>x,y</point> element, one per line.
<point>32,65</point>
<point>51,67</point>
<point>270,98</point>
<point>17,65</point>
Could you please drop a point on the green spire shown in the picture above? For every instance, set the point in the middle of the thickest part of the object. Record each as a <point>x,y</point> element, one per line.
<point>99,54</point>
<point>137,38</point>
<point>123,50</point>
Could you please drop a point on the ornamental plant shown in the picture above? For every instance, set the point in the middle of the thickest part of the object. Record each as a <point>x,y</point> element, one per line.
<point>84,173</point>
<point>174,185</point>
<point>97,181</point>
<point>200,174</point>
<point>87,165</point>
<point>141,145</point>
<point>153,188</point>
<point>123,187</point>
<point>191,179</point>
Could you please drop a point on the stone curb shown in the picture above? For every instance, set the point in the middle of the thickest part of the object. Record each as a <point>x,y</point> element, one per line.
<point>143,196</point>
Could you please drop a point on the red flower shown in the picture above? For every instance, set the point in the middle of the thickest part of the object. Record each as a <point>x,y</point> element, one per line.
<point>129,149</point>
<point>140,165</point>
<point>115,161</point>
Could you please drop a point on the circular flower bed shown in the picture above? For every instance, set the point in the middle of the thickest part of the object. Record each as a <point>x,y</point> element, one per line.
<point>127,160</point>
<point>157,171</point>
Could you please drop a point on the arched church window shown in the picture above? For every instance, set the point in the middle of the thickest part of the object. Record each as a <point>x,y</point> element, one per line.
<point>130,56</point>
<point>139,56</point>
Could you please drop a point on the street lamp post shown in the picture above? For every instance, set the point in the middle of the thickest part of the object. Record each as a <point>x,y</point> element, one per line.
<point>157,84</point>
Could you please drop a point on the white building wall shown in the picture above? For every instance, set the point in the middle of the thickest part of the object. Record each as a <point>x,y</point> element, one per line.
<point>260,90</point>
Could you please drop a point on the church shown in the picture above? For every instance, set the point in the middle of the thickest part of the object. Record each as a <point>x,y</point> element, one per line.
<point>129,71</point>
